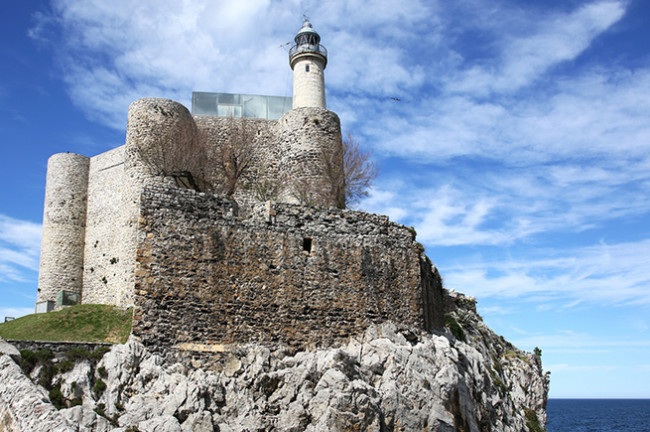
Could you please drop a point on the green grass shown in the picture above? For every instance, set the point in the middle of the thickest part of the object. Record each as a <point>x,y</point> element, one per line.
<point>81,323</point>
<point>455,328</point>
<point>532,421</point>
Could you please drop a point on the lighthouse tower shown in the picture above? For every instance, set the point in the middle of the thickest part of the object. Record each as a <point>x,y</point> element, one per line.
<point>308,59</point>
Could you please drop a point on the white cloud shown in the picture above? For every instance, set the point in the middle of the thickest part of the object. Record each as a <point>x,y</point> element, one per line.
<point>497,311</point>
<point>524,58</point>
<point>384,202</point>
<point>20,243</point>
<point>113,54</point>
<point>611,274</point>
<point>596,116</point>
<point>24,234</point>
<point>580,343</point>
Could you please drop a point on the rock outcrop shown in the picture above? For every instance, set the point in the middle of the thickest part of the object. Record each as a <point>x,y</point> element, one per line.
<point>392,378</point>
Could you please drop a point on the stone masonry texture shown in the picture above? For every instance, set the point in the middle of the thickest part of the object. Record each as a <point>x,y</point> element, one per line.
<point>106,270</point>
<point>291,274</point>
<point>205,270</point>
<point>92,204</point>
<point>64,225</point>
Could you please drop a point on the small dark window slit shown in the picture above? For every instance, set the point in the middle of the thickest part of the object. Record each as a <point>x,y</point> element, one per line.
<point>306,244</point>
<point>306,68</point>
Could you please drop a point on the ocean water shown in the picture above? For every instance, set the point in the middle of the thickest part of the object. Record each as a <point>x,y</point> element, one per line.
<point>598,415</point>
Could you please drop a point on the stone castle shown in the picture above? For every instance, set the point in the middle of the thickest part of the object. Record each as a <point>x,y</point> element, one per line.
<point>150,225</point>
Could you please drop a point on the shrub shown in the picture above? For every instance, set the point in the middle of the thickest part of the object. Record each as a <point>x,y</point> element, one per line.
<point>78,354</point>
<point>56,397</point>
<point>30,359</point>
<point>65,366</point>
<point>46,375</point>
<point>98,388</point>
<point>455,328</point>
<point>532,422</point>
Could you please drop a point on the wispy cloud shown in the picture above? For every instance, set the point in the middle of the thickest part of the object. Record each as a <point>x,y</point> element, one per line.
<point>613,274</point>
<point>573,342</point>
<point>111,55</point>
<point>20,243</point>
<point>540,45</point>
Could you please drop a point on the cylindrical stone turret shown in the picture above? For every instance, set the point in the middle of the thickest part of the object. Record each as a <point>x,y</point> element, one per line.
<point>311,155</point>
<point>308,59</point>
<point>64,226</point>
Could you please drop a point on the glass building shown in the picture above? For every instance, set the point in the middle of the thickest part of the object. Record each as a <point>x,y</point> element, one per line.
<point>240,105</point>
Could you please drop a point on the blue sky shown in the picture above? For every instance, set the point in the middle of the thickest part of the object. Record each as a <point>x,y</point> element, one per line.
<point>519,147</point>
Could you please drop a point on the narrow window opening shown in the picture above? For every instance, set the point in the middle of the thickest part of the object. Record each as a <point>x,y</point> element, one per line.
<point>306,68</point>
<point>306,244</point>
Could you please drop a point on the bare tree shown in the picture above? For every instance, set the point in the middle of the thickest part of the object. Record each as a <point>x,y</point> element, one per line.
<point>267,186</point>
<point>344,177</point>
<point>359,170</point>
<point>310,190</point>
<point>350,172</point>
<point>236,156</point>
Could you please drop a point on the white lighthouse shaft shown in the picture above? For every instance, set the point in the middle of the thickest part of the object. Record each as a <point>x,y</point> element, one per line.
<point>309,83</point>
<point>308,59</point>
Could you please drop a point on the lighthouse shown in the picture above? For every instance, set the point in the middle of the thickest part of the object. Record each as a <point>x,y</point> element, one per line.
<point>308,59</point>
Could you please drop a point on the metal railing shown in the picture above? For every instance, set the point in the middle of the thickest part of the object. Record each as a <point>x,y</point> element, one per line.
<point>307,48</point>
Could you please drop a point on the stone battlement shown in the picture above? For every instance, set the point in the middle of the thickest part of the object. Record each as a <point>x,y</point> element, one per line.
<point>293,274</point>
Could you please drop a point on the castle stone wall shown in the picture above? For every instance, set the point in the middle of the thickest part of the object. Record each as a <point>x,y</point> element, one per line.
<point>92,205</point>
<point>162,138</point>
<point>64,224</point>
<point>106,271</point>
<point>293,274</point>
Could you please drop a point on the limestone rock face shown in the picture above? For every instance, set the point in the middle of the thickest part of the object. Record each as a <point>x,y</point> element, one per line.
<point>24,406</point>
<point>10,350</point>
<point>392,378</point>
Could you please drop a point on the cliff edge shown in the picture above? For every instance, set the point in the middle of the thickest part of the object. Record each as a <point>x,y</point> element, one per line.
<point>392,378</point>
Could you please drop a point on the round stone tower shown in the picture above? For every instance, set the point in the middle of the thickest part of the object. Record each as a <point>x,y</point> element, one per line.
<point>308,59</point>
<point>64,226</point>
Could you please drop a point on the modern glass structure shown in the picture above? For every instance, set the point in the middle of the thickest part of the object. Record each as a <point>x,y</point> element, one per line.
<point>240,105</point>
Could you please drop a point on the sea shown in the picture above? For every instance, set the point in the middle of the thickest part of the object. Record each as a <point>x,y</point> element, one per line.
<point>598,415</point>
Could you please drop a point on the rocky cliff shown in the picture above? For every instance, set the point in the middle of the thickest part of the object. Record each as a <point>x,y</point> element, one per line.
<point>392,378</point>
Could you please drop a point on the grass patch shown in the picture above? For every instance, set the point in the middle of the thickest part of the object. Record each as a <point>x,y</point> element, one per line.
<point>80,323</point>
<point>455,328</point>
<point>533,422</point>
<point>98,388</point>
<point>512,354</point>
